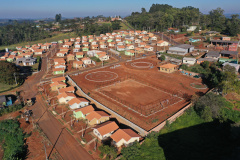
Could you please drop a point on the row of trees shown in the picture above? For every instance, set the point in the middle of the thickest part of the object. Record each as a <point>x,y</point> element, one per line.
<point>12,140</point>
<point>16,33</point>
<point>7,71</point>
<point>163,16</point>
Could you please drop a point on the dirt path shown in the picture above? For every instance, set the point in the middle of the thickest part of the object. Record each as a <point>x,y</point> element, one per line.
<point>66,145</point>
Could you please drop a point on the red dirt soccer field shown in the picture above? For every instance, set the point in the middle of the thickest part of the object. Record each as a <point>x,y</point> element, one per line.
<point>144,96</point>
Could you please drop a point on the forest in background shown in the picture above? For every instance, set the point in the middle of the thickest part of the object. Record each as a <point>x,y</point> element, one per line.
<point>163,16</point>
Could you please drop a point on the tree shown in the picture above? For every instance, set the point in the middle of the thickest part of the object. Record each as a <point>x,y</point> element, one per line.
<point>143,10</point>
<point>233,25</point>
<point>209,100</point>
<point>162,58</point>
<point>217,19</point>
<point>7,71</point>
<point>116,25</point>
<point>108,152</point>
<point>58,18</point>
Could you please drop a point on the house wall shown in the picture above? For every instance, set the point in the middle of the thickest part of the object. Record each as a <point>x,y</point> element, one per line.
<point>95,131</point>
<point>78,115</point>
<point>101,120</point>
<point>189,62</point>
<point>163,44</point>
<point>56,88</point>
<point>65,100</point>
<point>166,70</point>
<point>128,143</point>
<point>74,106</point>
<point>59,72</point>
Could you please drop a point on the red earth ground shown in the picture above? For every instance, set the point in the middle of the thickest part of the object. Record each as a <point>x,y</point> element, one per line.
<point>170,83</point>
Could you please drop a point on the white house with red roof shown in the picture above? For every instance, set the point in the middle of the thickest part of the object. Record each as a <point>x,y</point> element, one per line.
<point>124,137</point>
<point>78,103</point>
<point>105,130</point>
<point>65,97</point>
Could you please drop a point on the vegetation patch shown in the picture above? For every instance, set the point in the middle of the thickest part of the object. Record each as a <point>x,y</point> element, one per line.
<point>12,138</point>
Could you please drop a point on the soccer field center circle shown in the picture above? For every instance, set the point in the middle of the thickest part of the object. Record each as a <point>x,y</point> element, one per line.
<point>142,64</point>
<point>101,76</point>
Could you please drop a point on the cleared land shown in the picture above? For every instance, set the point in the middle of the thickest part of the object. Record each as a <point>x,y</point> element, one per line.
<point>141,87</point>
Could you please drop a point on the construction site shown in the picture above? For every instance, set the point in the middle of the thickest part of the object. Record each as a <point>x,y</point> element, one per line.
<point>137,91</point>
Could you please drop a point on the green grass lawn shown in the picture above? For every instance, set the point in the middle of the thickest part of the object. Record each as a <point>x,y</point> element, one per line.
<point>4,87</point>
<point>60,36</point>
<point>123,26</point>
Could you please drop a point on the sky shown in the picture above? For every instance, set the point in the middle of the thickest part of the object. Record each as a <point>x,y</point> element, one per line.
<point>82,8</point>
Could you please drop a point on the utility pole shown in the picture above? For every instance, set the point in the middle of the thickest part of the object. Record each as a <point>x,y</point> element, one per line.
<point>71,122</point>
<point>15,77</point>
<point>45,152</point>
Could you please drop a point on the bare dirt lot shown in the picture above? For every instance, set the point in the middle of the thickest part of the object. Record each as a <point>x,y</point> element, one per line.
<point>134,87</point>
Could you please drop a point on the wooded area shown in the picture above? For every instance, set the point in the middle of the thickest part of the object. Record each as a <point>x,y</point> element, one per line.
<point>12,140</point>
<point>163,16</point>
<point>7,71</point>
<point>21,32</point>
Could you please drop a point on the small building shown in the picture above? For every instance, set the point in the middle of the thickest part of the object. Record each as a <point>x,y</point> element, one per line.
<point>162,43</point>
<point>180,49</point>
<point>201,60</point>
<point>105,130</point>
<point>78,64</point>
<point>79,54</point>
<point>78,103</point>
<point>129,52</point>
<point>121,48</point>
<point>189,61</point>
<point>3,100</point>
<point>65,97</point>
<point>124,137</point>
<point>193,40</point>
<point>85,49</point>
<point>103,56</point>
<point>87,61</point>
<point>61,54</point>
<point>148,48</point>
<point>59,61</point>
<point>226,38</point>
<point>213,54</point>
<point>168,68</point>
<point>58,71</point>
<point>81,113</point>
<point>229,56</point>
<point>191,28</point>
<point>70,57</point>
<point>26,61</point>
<point>70,89</point>
<point>59,79</point>
<point>55,86</point>
<point>97,117</point>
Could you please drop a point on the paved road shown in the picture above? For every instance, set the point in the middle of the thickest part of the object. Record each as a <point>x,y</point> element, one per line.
<point>66,145</point>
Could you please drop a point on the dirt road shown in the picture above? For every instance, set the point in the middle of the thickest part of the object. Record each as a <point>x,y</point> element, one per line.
<point>66,145</point>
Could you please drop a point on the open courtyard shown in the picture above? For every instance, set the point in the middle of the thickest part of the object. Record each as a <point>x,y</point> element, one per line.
<point>138,91</point>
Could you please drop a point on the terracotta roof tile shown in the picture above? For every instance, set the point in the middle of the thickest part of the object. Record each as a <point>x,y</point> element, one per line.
<point>97,115</point>
<point>65,94</point>
<point>106,127</point>
<point>125,134</point>
<point>67,89</point>
<point>85,110</point>
<point>58,79</point>
<point>77,100</point>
